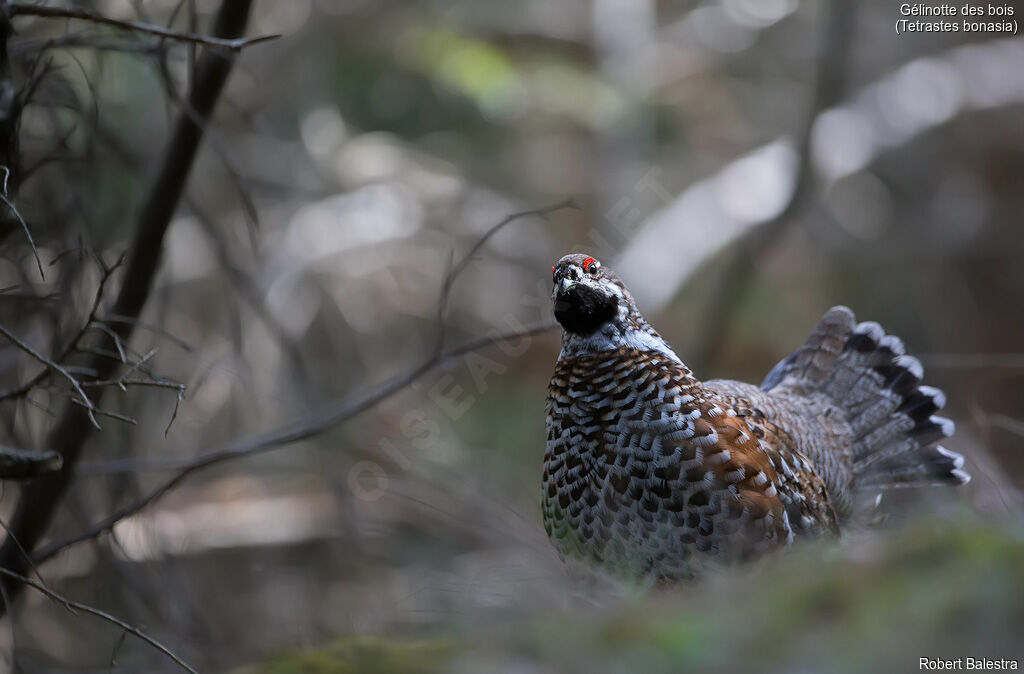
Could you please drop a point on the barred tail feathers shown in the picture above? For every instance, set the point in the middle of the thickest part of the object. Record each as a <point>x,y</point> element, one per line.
<point>868,375</point>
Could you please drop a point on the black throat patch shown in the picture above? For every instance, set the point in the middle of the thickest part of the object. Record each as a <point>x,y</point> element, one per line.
<point>582,310</point>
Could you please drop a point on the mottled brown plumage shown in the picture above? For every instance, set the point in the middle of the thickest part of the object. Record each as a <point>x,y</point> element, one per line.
<point>650,472</point>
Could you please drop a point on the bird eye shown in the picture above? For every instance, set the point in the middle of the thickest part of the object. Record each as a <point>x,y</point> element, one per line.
<point>590,265</point>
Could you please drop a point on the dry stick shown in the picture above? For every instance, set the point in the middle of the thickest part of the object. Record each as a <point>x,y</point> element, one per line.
<point>85,608</point>
<point>122,383</point>
<point>24,225</point>
<point>234,44</point>
<point>19,464</point>
<point>830,82</point>
<point>39,500</point>
<point>155,329</point>
<point>57,367</point>
<point>32,383</point>
<point>85,39</point>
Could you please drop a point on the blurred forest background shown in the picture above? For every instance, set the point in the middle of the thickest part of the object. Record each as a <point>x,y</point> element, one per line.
<point>343,486</point>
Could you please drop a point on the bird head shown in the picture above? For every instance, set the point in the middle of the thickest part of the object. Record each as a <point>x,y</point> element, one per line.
<point>586,295</point>
<point>596,311</point>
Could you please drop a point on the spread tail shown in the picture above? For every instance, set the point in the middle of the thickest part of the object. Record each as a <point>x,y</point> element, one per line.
<point>868,375</point>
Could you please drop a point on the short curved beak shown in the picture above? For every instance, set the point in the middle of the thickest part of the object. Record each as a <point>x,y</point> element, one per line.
<point>564,285</point>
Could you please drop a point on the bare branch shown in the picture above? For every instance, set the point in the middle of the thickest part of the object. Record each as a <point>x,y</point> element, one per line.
<point>85,39</point>
<point>155,329</point>
<point>113,337</point>
<point>327,416</point>
<point>113,415</point>
<point>237,44</point>
<point>73,606</point>
<point>19,464</point>
<point>315,423</point>
<point>39,499</point>
<point>22,390</point>
<point>123,382</point>
<point>456,269</point>
<point>17,214</point>
<point>174,414</point>
<point>56,367</point>
<point>35,403</point>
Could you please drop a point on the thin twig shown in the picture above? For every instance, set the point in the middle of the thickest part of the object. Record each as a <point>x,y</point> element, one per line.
<point>73,606</point>
<point>86,39</point>
<point>155,329</point>
<point>237,44</point>
<point>113,415</point>
<point>128,381</point>
<point>38,405</point>
<point>24,225</point>
<point>35,381</point>
<point>56,367</point>
<point>174,413</point>
<point>136,366</point>
<point>456,269</point>
<point>113,337</point>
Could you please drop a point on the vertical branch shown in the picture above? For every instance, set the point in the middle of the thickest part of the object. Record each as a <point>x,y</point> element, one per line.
<point>40,499</point>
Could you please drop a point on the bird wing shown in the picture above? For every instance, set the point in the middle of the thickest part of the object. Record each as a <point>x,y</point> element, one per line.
<point>799,483</point>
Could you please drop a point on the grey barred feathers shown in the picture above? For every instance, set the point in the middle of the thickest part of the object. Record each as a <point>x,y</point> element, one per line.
<point>649,472</point>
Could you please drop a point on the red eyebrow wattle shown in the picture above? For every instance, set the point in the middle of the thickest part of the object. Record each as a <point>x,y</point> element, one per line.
<point>586,263</point>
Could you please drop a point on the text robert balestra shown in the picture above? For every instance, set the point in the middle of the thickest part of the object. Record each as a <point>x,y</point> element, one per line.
<point>943,664</point>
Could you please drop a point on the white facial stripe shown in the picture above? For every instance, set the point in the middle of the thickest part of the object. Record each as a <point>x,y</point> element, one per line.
<point>608,338</point>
